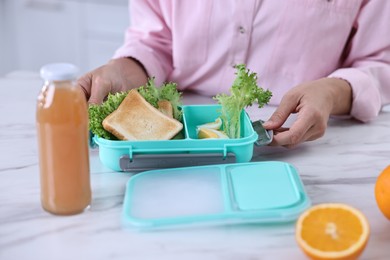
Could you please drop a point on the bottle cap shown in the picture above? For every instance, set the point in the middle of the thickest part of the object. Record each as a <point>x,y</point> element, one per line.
<point>59,71</point>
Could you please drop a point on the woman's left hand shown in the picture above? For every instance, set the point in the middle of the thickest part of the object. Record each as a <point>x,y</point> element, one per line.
<point>313,102</point>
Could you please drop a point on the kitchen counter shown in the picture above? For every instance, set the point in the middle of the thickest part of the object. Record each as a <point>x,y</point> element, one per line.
<point>340,167</point>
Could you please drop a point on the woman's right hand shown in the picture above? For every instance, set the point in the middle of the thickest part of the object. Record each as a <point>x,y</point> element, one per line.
<point>117,75</point>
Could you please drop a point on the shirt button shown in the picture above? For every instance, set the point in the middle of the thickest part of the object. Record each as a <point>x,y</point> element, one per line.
<point>241,29</point>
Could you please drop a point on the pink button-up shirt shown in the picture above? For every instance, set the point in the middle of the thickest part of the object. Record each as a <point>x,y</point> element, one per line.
<point>197,43</point>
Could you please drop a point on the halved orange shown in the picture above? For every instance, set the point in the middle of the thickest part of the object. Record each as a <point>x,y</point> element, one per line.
<point>382,192</point>
<point>332,231</point>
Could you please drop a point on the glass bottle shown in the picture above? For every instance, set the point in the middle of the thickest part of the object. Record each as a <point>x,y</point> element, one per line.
<point>62,130</point>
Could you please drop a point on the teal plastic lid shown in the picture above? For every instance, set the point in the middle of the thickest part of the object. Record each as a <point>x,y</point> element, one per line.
<point>260,192</point>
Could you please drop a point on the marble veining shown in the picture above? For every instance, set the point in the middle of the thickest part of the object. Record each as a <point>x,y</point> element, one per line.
<point>342,167</point>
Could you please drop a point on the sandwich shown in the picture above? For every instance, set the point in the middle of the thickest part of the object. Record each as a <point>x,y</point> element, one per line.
<point>144,113</point>
<point>136,119</point>
<point>165,107</point>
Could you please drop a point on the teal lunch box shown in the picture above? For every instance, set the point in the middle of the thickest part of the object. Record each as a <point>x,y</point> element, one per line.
<point>255,192</point>
<point>143,155</point>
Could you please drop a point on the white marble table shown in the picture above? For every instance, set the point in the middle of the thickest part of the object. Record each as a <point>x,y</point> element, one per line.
<point>340,167</point>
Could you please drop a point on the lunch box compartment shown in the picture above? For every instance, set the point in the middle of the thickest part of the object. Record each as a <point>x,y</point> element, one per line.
<point>140,155</point>
<point>194,116</point>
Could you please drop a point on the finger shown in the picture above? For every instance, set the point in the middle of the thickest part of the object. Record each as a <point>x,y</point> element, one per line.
<point>85,83</point>
<point>280,130</point>
<point>276,132</point>
<point>316,131</point>
<point>99,90</point>
<point>310,135</point>
<point>306,137</point>
<point>277,119</point>
<point>295,135</point>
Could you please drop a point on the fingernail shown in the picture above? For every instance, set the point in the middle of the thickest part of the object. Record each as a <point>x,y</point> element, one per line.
<point>267,123</point>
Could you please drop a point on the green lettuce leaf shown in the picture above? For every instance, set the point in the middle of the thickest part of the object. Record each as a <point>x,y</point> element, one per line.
<point>97,113</point>
<point>168,91</point>
<point>150,92</point>
<point>243,93</point>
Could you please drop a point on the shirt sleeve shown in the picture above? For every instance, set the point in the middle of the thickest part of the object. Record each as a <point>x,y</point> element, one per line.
<point>148,39</point>
<point>366,65</point>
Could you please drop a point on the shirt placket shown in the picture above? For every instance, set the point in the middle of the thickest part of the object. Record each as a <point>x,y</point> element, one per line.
<point>243,22</point>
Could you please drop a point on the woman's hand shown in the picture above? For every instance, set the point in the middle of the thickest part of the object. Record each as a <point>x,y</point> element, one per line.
<point>117,75</point>
<point>313,102</point>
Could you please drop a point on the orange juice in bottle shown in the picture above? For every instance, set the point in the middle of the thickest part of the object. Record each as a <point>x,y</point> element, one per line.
<point>62,130</point>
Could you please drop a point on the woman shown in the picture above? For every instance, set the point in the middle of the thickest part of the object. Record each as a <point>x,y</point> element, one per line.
<point>318,57</point>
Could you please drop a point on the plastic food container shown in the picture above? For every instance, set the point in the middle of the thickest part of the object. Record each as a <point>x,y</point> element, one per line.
<point>142,155</point>
<point>256,192</point>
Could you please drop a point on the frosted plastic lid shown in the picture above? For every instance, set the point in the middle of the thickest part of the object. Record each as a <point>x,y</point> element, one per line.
<point>260,192</point>
<point>59,71</point>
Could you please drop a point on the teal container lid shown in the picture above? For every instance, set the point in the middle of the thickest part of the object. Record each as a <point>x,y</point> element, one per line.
<point>256,192</point>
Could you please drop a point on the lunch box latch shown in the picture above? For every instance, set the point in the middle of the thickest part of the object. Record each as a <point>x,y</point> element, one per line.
<point>143,162</point>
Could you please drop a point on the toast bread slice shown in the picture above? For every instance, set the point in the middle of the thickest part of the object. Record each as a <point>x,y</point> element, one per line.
<point>137,119</point>
<point>165,107</point>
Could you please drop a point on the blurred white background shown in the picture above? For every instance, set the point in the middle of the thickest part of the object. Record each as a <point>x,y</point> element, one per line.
<point>36,32</point>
